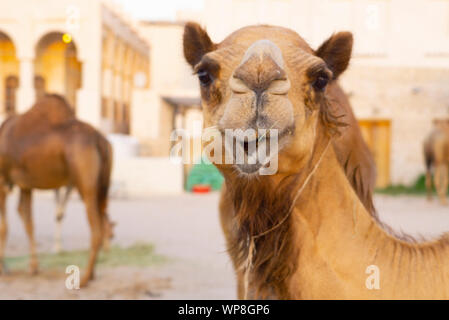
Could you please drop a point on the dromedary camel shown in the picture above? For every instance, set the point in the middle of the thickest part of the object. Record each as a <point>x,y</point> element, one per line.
<point>302,233</point>
<point>436,156</point>
<point>47,148</point>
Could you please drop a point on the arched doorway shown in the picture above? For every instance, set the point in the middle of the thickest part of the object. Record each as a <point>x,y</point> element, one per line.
<point>57,69</point>
<point>9,72</point>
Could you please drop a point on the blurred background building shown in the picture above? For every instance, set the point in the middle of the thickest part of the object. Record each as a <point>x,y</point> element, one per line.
<point>129,78</point>
<point>94,54</point>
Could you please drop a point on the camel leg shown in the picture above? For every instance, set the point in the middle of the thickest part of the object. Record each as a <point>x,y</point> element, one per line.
<point>441,182</point>
<point>61,203</point>
<point>96,228</point>
<point>106,227</point>
<point>429,185</point>
<point>444,183</point>
<point>437,179</point>
<point>85,165</point>
<point>25,214</point>
<point>3,228</point>
<point>57,245</point>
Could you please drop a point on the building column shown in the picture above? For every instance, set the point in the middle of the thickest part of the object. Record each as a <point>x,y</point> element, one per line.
<point>108,79</point>
<point>88,100</point>
<point>26,95</point>
<point>118,84</point>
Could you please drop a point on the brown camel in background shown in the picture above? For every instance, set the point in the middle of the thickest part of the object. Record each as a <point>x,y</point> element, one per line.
<point>48,148</point>
<point>436,157</point>
<point>301,233</point>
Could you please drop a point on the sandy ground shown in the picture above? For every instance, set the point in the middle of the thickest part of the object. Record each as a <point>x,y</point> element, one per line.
<point>183,228</point>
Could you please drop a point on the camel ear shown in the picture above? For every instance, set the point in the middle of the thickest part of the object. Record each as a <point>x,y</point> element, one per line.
<point>336,52</point>
<point>196,43</point>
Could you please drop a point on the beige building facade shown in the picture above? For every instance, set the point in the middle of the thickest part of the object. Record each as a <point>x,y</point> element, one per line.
<point>85,50</point>
<point>92,53</point>
<point>172,101</point>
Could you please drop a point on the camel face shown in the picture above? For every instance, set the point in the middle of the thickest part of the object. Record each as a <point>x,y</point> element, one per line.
<point>258,91</point>
<point>267,80</point>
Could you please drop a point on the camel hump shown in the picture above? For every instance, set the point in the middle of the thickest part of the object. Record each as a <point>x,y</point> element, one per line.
<point>51,109</point>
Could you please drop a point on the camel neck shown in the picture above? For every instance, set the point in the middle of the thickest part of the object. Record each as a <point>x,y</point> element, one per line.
<point>329,195</point>
<point>340,243</point>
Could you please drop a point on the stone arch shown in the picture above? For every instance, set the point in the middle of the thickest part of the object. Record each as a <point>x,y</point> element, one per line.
<point>56,66</point>
<point>9,75</point>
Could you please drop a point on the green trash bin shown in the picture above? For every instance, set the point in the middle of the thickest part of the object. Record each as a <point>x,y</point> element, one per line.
<point>204,173</point>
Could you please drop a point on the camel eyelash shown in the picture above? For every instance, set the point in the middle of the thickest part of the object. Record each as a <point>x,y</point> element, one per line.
<point>208,65</point>
<point>319,70</point>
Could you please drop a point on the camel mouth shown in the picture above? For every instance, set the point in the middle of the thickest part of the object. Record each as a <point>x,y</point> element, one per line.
<point>248,169</point>
<point>253,153</point>
<point>245,153</point>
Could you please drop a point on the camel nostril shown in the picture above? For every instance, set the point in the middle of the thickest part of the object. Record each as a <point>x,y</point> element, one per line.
<point>238,86</point>
<point>279,87</point>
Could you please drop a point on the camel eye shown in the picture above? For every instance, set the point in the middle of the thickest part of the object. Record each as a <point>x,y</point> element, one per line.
<point>204,77</point>
<point>320,82</point>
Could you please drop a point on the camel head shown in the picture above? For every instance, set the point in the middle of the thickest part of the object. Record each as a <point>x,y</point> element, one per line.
<point>265,77</point>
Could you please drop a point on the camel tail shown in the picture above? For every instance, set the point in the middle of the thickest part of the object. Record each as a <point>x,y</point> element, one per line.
<point>105,151</point>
